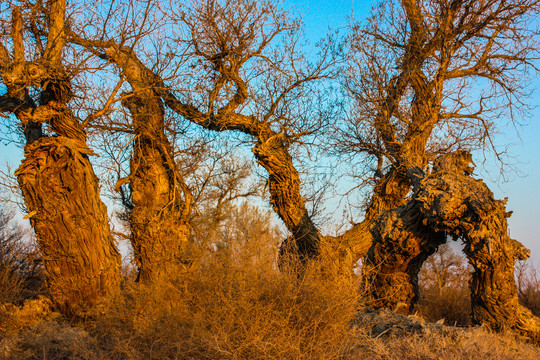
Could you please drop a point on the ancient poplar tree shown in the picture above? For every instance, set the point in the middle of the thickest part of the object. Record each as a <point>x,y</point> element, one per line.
<point>60,189</point>
<point>255,85</point>
<point>244,73</point>
<point>430,79</point>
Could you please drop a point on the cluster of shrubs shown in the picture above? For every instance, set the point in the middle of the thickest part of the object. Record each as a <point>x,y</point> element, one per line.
<point>232,303</point>
<point>445,290</point>
<point>21,268</point>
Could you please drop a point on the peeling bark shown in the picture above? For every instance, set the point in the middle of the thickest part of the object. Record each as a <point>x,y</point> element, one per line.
<point>60,189</point>
<point>159,217</point>
<point>61,194</point>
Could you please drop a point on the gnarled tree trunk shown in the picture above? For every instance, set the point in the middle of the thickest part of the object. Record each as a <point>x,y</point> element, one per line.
<point>60,189</point>
<point>449,202</point>
<point>61,194</point>
<point>388,193</point>
<point>285,197</point>
<point>159,217</point>
<point>401,245</point>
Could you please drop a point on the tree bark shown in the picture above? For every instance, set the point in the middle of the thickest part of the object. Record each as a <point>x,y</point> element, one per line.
<point>60,189</point>
<point>449,202</point>
<point>286,199</point>
<point>401,244</point>
<point>159,218</point>
<point>61,194</point>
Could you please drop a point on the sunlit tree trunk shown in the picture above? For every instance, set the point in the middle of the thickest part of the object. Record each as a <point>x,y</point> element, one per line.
<point>61,194</point>
<point>60,189</point>
<point>449,202</point>
<point>159,216</point>
<point>286,199</point>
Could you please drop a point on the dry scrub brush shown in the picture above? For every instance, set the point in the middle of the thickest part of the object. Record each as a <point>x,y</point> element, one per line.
<point>445,288</point>
<point>228,309</point>
<point>233,303</point>
<point>224,308</point>
<point>21,271</point>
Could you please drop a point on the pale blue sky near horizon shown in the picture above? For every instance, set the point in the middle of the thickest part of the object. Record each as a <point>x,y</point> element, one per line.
<point>523,191</point>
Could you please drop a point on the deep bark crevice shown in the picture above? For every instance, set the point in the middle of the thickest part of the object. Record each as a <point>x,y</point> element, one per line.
<point>61,193</point>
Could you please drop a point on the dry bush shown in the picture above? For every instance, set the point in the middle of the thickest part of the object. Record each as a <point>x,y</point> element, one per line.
<point>224,309</point>
<point>233,303</point>
<point>452,304</point>
<point>528,286</point>
<point>444,288</point>
<point>21,271</point>
<point>227,309</point>
<point>476,344</point>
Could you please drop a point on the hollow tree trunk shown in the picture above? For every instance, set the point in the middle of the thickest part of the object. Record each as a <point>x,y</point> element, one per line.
<point>61,194</point>
<point>160,211</point>
<point>450,203</point>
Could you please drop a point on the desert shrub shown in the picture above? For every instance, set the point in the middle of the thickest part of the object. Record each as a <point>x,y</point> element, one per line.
<point>528,286</point>
<point>453,304</point>
<point>226,309</point>
<point>444,288</point>
<point>222,308</point>
<point>21,271</point>
<point>233,303</point>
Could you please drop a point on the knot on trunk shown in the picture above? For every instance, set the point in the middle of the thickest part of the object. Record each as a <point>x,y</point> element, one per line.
<point>52,79</point>
<point>459,161</point>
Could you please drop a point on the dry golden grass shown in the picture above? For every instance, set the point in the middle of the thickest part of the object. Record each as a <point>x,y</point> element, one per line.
<point>230,310</point>
<point>474,344</point>
<point>224,308</point>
